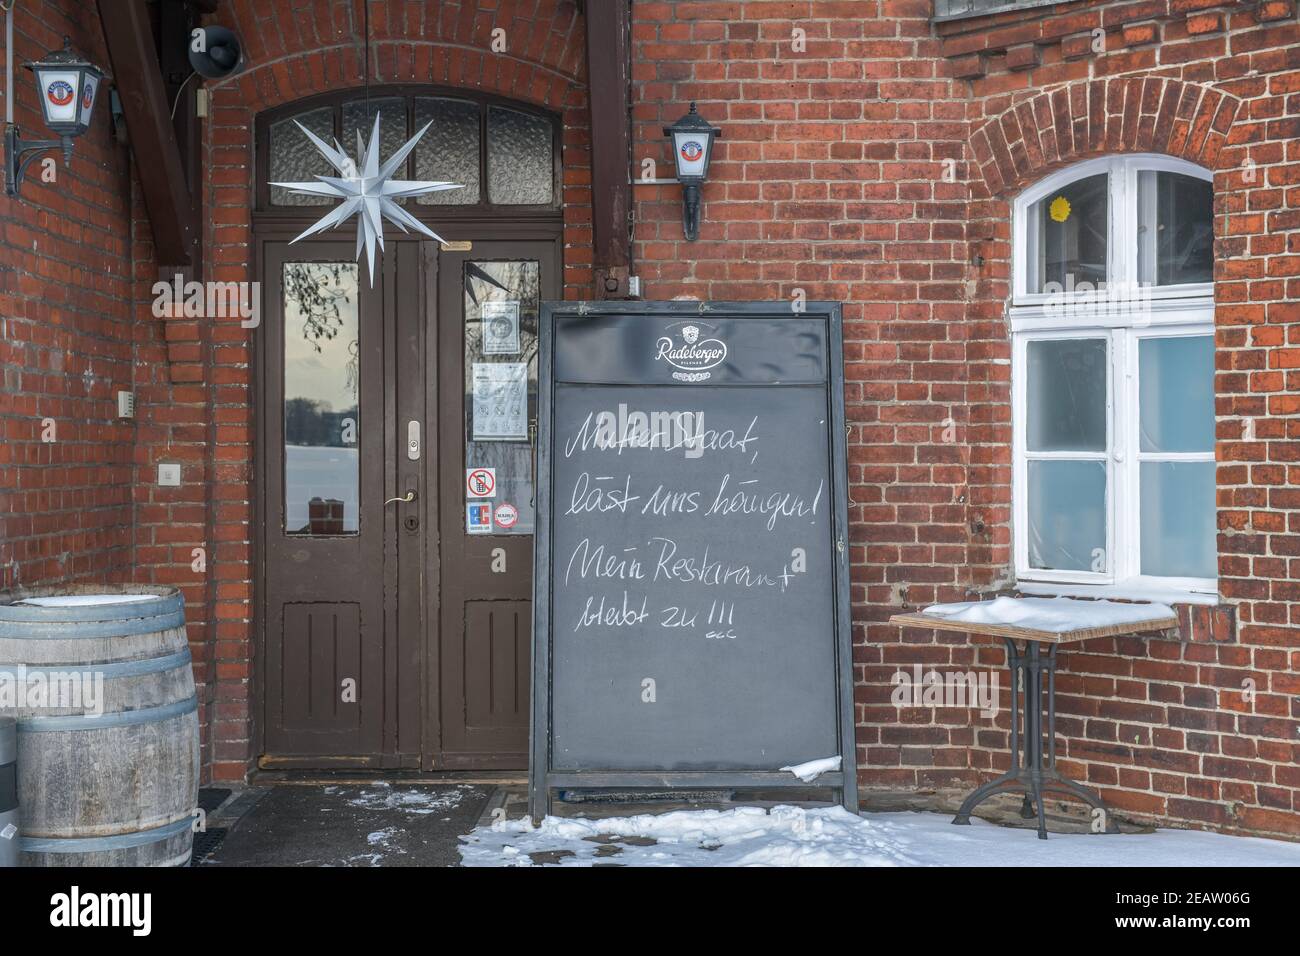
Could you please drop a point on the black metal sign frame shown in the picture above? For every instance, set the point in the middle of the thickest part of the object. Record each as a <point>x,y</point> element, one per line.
<point>543,779</point>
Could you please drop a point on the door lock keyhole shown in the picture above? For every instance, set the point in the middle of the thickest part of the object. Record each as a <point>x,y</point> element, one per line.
<point>411,522</point>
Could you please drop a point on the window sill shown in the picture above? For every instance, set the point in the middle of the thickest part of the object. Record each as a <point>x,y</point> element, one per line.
<point>1134,592</point>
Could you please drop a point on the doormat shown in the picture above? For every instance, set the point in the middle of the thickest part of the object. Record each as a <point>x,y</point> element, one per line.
<point>212,797</point>
<point>206,843</point>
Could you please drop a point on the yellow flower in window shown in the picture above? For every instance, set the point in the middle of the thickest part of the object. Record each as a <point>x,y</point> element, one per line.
<point>1060,209</point>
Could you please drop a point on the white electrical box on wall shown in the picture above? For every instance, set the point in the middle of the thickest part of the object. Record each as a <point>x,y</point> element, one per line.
<point>169,474</point>
<point>126,404</point>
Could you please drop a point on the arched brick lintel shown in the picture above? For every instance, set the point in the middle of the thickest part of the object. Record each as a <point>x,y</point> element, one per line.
<point>1078,121</point>
<point>325,69</point>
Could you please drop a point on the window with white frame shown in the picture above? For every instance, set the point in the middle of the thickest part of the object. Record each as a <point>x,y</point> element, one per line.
<point>1113,376</point>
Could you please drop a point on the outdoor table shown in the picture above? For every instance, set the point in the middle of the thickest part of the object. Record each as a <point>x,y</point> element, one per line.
<point>1032,772</point>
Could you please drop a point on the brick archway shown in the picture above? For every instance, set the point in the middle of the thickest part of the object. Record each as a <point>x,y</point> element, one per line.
<point>1077,121</point>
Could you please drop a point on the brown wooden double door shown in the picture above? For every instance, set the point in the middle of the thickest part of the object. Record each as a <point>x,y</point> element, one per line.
<point>396,429</point>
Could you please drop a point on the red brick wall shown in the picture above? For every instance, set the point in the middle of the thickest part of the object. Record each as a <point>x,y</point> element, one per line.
<point>829,178</point>
<point>66,339</point>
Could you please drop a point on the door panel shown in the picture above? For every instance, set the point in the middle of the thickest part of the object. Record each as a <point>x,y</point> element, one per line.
<point>486,618</point>
<point>497,654</point>
<point>323,486</point>
<point>325,639</point>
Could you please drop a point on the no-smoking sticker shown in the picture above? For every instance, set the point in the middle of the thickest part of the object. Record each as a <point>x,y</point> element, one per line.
<point>481,482</point>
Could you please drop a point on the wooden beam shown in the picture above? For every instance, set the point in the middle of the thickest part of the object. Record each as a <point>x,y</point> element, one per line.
<point>611,161</point>
<point>138,78</point>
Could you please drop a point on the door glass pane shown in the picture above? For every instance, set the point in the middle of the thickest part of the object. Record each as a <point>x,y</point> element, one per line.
<point>449,151</point>
<point>321,415</point>
<point>1176,393</point>
<point>520,160</point>
<point>501,306</point>
<point>1066,395</point>
<point>1069,229</point>
<point>1178,519</point>
<point>360,116</point>
<point>1175,228</point>
<point>1067,515</point>
<point>294,159</point>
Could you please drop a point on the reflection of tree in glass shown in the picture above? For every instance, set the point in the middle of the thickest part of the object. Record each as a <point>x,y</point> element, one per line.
<point>308,421</point>
<point>517,282</point>
<point>319,290</point>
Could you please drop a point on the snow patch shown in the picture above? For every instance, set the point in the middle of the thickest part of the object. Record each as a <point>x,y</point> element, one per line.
<point>812,769</point>
<point>417,802</point>
<point>1055,615</point>
<point>831,836</point>
<point>86,600</point>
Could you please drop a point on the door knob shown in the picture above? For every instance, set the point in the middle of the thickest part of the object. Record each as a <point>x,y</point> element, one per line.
<point>410,496</point>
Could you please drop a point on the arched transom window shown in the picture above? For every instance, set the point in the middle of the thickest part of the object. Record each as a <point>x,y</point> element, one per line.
<point>1113,378</point>
<point>504,154</point>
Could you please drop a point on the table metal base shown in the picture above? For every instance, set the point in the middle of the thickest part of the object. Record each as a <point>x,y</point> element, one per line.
<point>1035,774</point>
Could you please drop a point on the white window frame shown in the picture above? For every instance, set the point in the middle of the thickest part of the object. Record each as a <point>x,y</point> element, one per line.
<point>1182,310</point>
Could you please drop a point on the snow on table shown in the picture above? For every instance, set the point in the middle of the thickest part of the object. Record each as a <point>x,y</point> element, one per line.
<point>1047,619</point>
<point>832,836</point>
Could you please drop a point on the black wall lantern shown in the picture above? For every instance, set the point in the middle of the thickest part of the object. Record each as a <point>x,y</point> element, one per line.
<point>692,138</point>
<point>68,85</point>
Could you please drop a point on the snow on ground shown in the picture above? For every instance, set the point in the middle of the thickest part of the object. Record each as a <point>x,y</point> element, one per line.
<point>383,796</point>
<point>831,836</point>
<point>1050,614</point>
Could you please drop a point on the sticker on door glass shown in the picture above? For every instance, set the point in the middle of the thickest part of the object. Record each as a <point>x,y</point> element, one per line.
<point>481,482</point>
<point>500,401</point>
<point>507,514</point>
<point>478,518</point>
<point>500,328</point>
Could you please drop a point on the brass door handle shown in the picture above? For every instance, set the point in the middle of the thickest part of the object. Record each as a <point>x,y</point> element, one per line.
<point>410,496</point>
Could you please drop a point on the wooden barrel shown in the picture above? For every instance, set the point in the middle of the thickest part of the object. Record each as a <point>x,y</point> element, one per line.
<point>108,758</point>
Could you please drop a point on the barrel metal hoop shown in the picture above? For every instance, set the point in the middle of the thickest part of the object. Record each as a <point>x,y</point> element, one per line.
<point>118,841</point>
<point>59,630</point>
<point>90,613</point>
<point>138,668</point>
<point>125,718</point>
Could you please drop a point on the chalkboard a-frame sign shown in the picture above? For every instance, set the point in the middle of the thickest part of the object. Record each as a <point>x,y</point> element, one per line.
<point>691,590</point>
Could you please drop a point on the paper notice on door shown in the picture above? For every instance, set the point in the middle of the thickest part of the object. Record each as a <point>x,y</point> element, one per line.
<point>500,328</point>
<point>500,401</point>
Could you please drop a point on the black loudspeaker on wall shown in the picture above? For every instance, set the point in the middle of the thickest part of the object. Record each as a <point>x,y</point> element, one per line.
<point>215,52</point>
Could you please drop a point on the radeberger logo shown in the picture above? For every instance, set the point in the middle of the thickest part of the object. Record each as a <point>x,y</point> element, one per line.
<point>60,93</point>
<point>693,356</point>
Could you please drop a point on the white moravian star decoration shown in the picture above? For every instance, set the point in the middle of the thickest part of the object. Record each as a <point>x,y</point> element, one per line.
<point>367,191</point>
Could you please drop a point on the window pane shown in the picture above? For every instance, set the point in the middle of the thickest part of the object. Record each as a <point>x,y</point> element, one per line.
<point>1178,520</point>
<point>321,418</point>
<point>1067,515</point>
<point>392,127</point>
<point>1175,228</point>
<point>449,151</point>
<point>501,306</point>
<point>1068,230</point>
<point>1066,392</point>
<point>520,161</point>
<point>293,158</point>
<point>1176,393</point>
